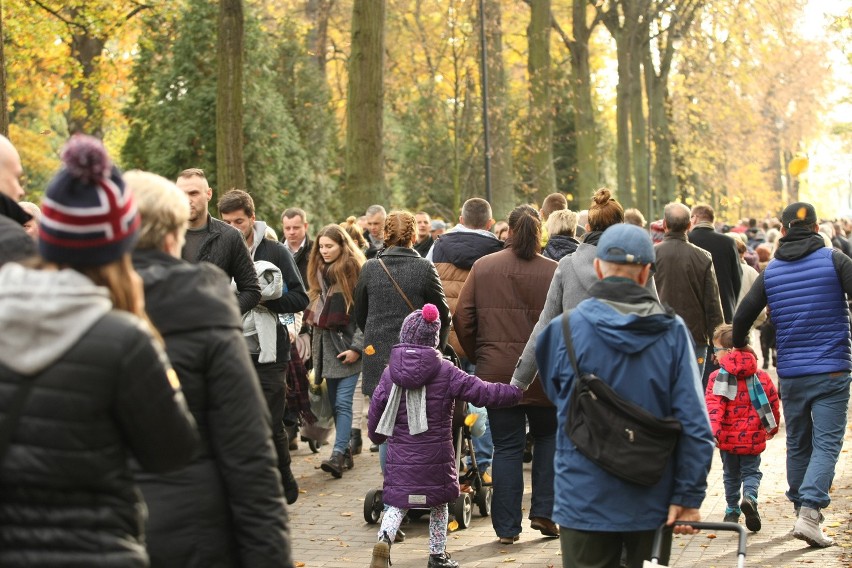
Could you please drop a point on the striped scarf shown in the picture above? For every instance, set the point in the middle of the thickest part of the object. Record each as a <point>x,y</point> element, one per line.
<point>726,385</point>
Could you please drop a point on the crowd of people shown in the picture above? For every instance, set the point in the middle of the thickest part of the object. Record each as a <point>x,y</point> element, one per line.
<point>157,363</point>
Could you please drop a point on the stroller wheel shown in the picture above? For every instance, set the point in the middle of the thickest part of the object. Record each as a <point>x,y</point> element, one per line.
<point>483,500</point>
<point>373,506</point>
<point>463,510</point>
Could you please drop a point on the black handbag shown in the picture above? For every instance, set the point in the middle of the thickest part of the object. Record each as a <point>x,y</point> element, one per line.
<point>617,435</point>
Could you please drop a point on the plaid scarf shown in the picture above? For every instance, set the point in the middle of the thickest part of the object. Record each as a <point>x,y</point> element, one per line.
<point>726,385</point>
<point>297,387</point>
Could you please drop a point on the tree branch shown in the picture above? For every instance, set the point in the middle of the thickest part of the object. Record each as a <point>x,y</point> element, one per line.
<point>60,17</point>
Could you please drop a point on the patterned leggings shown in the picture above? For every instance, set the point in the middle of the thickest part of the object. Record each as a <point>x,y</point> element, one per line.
<point>438,517</point>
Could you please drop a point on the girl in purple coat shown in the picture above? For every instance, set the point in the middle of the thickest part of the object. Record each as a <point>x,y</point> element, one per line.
<point>412,408</point>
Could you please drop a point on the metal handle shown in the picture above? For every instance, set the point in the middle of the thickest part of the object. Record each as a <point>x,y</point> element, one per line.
<point>733,527</point>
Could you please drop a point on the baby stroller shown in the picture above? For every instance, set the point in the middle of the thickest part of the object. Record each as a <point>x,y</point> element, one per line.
<point>473,490</point>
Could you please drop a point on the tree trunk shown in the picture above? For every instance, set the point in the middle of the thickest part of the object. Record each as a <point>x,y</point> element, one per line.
<point>622,124</point>
<point>318,12</point>
<point>85,113</point>
<point>659,107</point>
<point>588,177</point>
<point>638,35</point>
<point>502,174</point>
<point>541,108</point>
<point>365,181</point>
<point>230,167</point>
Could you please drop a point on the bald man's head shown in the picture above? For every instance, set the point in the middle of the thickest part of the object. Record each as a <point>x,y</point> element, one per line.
<point>11,170</point>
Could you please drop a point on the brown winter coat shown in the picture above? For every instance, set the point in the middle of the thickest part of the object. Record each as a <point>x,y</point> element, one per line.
<point>498,307</point>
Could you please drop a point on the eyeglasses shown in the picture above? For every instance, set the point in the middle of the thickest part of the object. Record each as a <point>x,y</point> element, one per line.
<point>717,349</point>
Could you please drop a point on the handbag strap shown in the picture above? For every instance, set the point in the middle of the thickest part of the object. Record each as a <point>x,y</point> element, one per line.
<point>566,335</point>
<point>16,408</point>
<point>395,285</point>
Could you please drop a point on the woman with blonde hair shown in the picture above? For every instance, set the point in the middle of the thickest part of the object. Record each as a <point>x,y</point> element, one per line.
<point>333,270</point>
<point>84,386</point>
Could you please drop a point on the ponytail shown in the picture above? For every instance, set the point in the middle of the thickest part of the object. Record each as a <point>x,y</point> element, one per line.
<point>525,225</point>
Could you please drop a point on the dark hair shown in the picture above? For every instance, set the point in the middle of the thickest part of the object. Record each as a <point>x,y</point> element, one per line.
<point>476,212</point>
<point>553,202</point>
<point>604,211</point>
<point>234,200</point>
<point>400,229</point>
<point>704,212</point>
<point>295,212</point>
<point>525,226</point>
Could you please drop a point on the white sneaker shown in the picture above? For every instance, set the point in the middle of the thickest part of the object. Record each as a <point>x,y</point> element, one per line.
<point>807,528</point>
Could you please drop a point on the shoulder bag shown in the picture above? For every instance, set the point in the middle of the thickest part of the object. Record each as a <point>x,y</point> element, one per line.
<point>617,435</point>
<point>395,285</point>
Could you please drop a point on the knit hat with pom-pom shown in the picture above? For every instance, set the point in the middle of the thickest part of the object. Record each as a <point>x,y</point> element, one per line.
<point>421,327</point>
<point>88,217</point>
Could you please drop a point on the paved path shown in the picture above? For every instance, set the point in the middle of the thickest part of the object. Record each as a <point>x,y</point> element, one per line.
<point>328,528</point>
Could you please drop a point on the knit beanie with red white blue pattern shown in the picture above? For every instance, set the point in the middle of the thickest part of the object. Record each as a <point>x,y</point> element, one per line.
<point>89,217</point>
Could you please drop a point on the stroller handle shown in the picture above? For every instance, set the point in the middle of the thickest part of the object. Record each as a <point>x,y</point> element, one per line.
<point>733,527</point>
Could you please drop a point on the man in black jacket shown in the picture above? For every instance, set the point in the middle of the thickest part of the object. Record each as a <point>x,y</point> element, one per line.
<point>726,259</point>
<point>236,208</point>
<point>294,234</point>
<point>211,240</point>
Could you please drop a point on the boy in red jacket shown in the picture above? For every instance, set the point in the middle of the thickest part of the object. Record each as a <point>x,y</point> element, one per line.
<point>743,406</point>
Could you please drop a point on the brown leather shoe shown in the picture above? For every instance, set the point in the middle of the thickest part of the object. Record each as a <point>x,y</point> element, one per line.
<point>509,539</point>
<point>544,525</point>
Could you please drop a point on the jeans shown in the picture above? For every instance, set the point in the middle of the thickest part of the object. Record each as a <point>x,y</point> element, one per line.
<point>483,447</point>
<point>341,393</point>
<point>740,470</point>
<point>508,429</point>
<point>815,408</point>
<point>273,382</point>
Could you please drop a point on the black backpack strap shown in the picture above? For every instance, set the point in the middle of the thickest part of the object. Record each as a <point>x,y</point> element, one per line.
<point>16,408</point>
<point>566,335</point>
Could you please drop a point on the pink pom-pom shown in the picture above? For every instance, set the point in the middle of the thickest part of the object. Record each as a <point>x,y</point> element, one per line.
<point>86,158</point>
<point>430,313</point>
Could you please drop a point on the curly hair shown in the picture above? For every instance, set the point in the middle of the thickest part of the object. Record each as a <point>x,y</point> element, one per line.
<point>604,211</point>
<point>400,229</point>
<point>344,271</point>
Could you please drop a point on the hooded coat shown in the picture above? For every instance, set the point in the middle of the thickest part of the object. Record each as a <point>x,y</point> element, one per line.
<point>735,423</point>
<point>421,469</point>
<point>101,394</point>
<point>225,508</point>
<point>644,352</point>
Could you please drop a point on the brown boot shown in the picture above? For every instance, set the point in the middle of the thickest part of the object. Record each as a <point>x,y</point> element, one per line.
<point>334,465</point>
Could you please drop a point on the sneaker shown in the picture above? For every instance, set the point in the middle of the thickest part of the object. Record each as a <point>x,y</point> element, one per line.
<point>752,517</point>
<point>381,553</point>
<point>509,539</point>
<point>544,525</point>
<point>732,517</point>
<point>374,448</point>
<point>442,561</point>
<point>807,529</point>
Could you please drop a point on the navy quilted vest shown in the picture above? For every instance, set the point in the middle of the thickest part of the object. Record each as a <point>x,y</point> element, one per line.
<point>810,313</point>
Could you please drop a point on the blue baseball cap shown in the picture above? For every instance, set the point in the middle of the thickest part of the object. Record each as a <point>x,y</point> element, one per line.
<point>624,243</point>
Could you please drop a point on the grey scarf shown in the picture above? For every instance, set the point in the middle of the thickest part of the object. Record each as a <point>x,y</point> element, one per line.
<point>415,402</point>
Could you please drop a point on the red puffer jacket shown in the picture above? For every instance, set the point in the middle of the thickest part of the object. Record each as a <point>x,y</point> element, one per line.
<point>735,423</point>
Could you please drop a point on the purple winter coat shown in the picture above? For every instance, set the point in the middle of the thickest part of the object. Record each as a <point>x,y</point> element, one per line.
<point>421,469</point>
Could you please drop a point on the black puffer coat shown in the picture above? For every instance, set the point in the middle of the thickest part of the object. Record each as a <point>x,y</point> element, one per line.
<point>379,308</point>
<point>225,509</point>
<point>100,394</point>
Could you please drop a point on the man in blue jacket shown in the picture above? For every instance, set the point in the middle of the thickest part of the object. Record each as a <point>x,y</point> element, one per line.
<point>644,351</point>
<point>805,286</point>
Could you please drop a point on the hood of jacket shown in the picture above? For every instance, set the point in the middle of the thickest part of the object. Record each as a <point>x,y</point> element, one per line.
<point>798,243</point>
<point>741,364</point>
<point>43,313</point>
<point>559,246</point>
<point>626,315</point>
<point>259,235</point>
<point>172,290</point>
<point>462,248</point>
<point>412,366</point>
